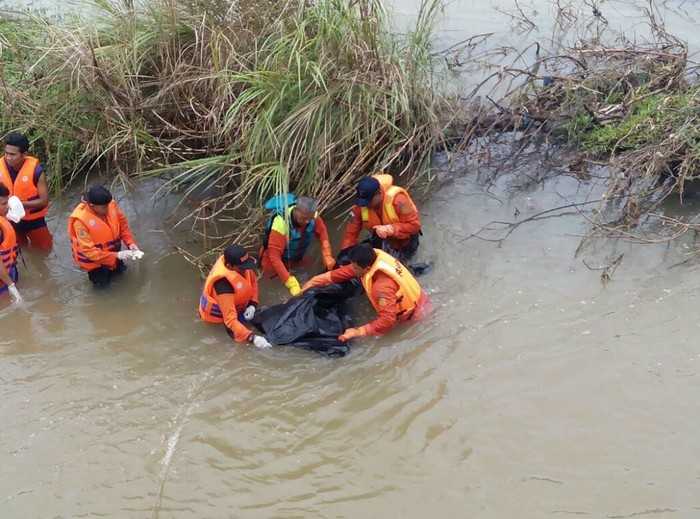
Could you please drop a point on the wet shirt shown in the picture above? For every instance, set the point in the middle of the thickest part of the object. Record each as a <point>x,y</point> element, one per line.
<point>277,242</point>
<point>384,291</point>
<point>408,224</point>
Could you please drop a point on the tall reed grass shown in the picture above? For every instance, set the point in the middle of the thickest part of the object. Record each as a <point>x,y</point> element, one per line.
<point>229,101</point>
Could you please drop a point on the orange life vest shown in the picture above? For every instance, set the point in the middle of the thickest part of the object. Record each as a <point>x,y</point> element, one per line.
<point>24,186</point>
<point>409,292</point>
<point>105,234</point>
<point>242,284</point>
<point>370,218</point>
<point>8,246</point>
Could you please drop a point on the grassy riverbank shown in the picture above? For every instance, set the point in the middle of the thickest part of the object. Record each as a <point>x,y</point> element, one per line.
<point>235,99</point>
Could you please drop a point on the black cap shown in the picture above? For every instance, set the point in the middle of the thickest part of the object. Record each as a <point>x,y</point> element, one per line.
<point>98,195</point>
<point>237,256</point>
<point>366,189</point>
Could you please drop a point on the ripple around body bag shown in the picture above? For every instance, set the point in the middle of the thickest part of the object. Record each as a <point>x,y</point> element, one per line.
<point>15,209</point>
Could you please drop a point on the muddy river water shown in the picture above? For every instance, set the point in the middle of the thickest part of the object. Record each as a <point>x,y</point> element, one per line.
<point>534,391</point>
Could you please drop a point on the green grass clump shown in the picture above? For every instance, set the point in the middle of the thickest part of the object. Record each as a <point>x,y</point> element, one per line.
<point>237,100</point>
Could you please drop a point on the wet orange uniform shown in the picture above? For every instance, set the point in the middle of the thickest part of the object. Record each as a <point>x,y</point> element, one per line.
<point>24,184</point>
<point>8,250</point>
<point>227,293</point>
<point>392,290</point>
<point>96,240</point>
<point>398,210</point>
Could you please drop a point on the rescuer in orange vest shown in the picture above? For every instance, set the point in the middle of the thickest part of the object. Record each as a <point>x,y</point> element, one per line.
<point>388,213</point>
<point>97,227</point>
<point>391,288</point>
<point>8,249</point>
<point>230,295</point>
<point>24,176</point>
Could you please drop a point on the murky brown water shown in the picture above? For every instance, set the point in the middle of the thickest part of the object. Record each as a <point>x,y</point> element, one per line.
<point>533,392</point>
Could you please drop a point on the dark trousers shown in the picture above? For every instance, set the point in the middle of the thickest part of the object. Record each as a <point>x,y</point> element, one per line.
<point>102,277</point>
<point>403,254</point>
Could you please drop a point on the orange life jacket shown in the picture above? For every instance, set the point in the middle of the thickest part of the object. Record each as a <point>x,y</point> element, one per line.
<point>409,292</point>
<point>242,284</point>
<point>370,218</point>
<point>8,246</point>
<point>24,186</point>
<point>105,234</point>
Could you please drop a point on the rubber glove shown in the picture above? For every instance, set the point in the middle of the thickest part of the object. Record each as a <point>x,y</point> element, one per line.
<point>12,289</point>
<point>136,253</point>
<point>261,342</point>
<point>15,210</point>
<point>293,286</point>
<point>125,254</point>
<point>318,281</point>
<point>384,231</point>
<point>249,312</point>
<point>352,333</point>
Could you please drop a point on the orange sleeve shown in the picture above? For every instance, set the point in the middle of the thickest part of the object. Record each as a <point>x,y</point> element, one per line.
<point>384,292</point>
<point>87,246</point>
<point>126,235</point>
<point>276,243</point>
<point>253,280</point>
<point>409,219</point>
<point>227,303</point>
<point>352,229</point>
<point>321,232</point>
<point>344,273</point>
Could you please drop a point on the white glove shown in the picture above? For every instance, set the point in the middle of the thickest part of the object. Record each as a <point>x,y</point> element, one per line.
<point>125,254</point>
<point>136,253</point>
<point>14,293</point>
<point>261,342</point>
<point>15,210</point>
<point>249,312</point>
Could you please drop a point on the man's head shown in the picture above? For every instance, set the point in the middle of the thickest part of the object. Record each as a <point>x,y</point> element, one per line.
<point>369,193</point>
<point>362,257</point>
<point>304,211</point>
<point>4,199</point>
<point>98,198</point>
<point>237,258</point>
<point>16,146</point>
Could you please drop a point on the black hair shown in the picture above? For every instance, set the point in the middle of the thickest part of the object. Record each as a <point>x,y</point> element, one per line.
<point>363,255</point>
<point>233,255</point>
<point>98,195</point>
<point>4,192</point>
<point>19,140</point>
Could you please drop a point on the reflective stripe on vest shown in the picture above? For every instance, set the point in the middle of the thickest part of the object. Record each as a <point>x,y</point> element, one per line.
<point>105,234</point>
<point>297,241</point>
<point>24,186</point>
<point>244,292</point>
<point>409,290</point>
<point>8,246</point>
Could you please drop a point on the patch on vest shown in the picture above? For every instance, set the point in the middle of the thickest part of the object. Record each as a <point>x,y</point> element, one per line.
<point>25,178</point>
<point>92,222</point>
<point>239,285</point>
